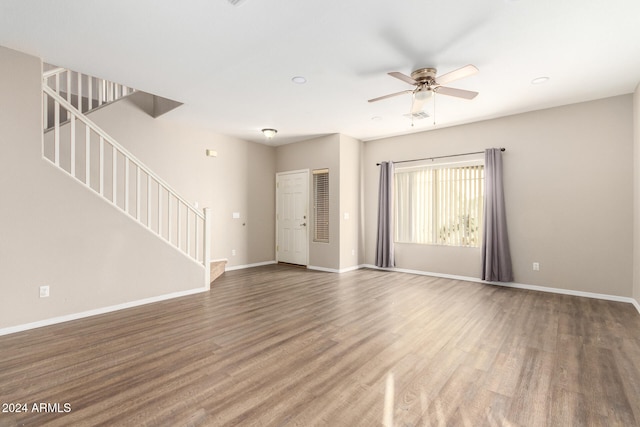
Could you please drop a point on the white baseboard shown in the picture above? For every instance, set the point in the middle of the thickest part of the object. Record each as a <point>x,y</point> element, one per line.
<point>425,273</point>
<point>97,311</point>
<point>324,269</point>
<point>515,285</point>
<point>562,291</point>
<point>348,269</point>
<point>333,270</point>
<point>241,267</point>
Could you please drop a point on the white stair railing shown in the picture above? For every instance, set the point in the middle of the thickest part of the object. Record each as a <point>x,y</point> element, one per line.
<point>84,92</point>
<point>82,149</point>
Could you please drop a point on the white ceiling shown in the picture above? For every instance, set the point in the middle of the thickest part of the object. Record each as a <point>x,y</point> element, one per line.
<point>232,65</point>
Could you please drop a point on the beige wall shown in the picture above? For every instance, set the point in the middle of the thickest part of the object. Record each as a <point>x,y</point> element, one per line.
<point>350,200</point>
<point>239,179</point>
<point>568,184</point>
<point>55,232</point>
<point>636,194</point>
<point>318,153</point>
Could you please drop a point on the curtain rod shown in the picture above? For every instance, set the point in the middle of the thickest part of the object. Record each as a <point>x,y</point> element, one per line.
<point>441,157</point>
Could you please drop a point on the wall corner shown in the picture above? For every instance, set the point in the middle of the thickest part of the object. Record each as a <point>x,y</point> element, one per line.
<point>636,196</point>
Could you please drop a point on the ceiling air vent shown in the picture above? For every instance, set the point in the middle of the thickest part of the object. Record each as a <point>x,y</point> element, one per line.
<point>236,2</point>
<point>417,116</point>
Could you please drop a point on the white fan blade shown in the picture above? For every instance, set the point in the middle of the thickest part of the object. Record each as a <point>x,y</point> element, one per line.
<point>403,77</point>
<point>390,95</point>
<point>459,93</point>
<point>465,71</point>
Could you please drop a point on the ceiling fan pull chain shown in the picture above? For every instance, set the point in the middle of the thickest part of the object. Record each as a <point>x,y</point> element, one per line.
<point>434,107</point>
<point>413,100</point>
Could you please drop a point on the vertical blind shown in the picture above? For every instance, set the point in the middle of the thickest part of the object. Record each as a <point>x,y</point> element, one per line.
<point>440,205</point>
<point>321,205</point>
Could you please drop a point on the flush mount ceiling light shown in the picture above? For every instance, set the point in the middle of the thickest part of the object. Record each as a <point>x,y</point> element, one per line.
<point>539,80</point>
<point>269,133</point>
<point>299,80</point>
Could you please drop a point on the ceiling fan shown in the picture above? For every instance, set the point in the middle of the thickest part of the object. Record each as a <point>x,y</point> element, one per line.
<point>426,83</point>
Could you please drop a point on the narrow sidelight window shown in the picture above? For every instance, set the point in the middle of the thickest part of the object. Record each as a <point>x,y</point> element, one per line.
<point>321,205</point>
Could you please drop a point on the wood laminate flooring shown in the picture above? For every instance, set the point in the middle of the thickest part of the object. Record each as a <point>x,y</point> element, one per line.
<point>283,346</point>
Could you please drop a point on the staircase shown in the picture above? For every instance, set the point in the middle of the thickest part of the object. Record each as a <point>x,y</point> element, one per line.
<point>80,148</point>
<point>217,269</point>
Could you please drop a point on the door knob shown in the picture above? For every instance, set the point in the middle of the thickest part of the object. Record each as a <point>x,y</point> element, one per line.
<point>304,224</point>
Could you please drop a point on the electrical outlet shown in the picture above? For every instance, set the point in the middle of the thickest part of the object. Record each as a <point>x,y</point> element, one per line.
<point>233,252</point>
<point>536,266</point>
<point>44,291</point>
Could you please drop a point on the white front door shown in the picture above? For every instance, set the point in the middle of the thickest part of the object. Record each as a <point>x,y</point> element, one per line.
<point>292,201</point>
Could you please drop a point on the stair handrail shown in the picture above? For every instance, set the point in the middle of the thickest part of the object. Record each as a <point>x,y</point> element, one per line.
<point>53,72</point>
<point>63,102</point>
<point>98,91</point>
<point>204,215</point>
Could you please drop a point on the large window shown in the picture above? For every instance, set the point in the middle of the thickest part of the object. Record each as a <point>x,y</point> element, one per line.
<point>439,204</point>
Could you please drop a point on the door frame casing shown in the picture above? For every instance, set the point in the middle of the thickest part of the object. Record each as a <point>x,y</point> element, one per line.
<point>306,207</point>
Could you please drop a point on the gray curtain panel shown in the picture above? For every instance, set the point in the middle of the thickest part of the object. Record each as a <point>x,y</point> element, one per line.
<point>384,244</point>
<point>496,258</point>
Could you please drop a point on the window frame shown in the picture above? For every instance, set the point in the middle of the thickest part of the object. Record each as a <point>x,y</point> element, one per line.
<point>321,205</point>
<point>464,232</point>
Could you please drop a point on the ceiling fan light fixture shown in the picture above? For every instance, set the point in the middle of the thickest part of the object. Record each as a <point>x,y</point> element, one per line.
<point>269,133</point>
<point>423,95</point>
<point>427,82</point>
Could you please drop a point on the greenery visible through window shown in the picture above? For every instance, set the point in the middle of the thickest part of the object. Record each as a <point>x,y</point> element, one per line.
<point>321,205</point>
<point>439,205</point>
